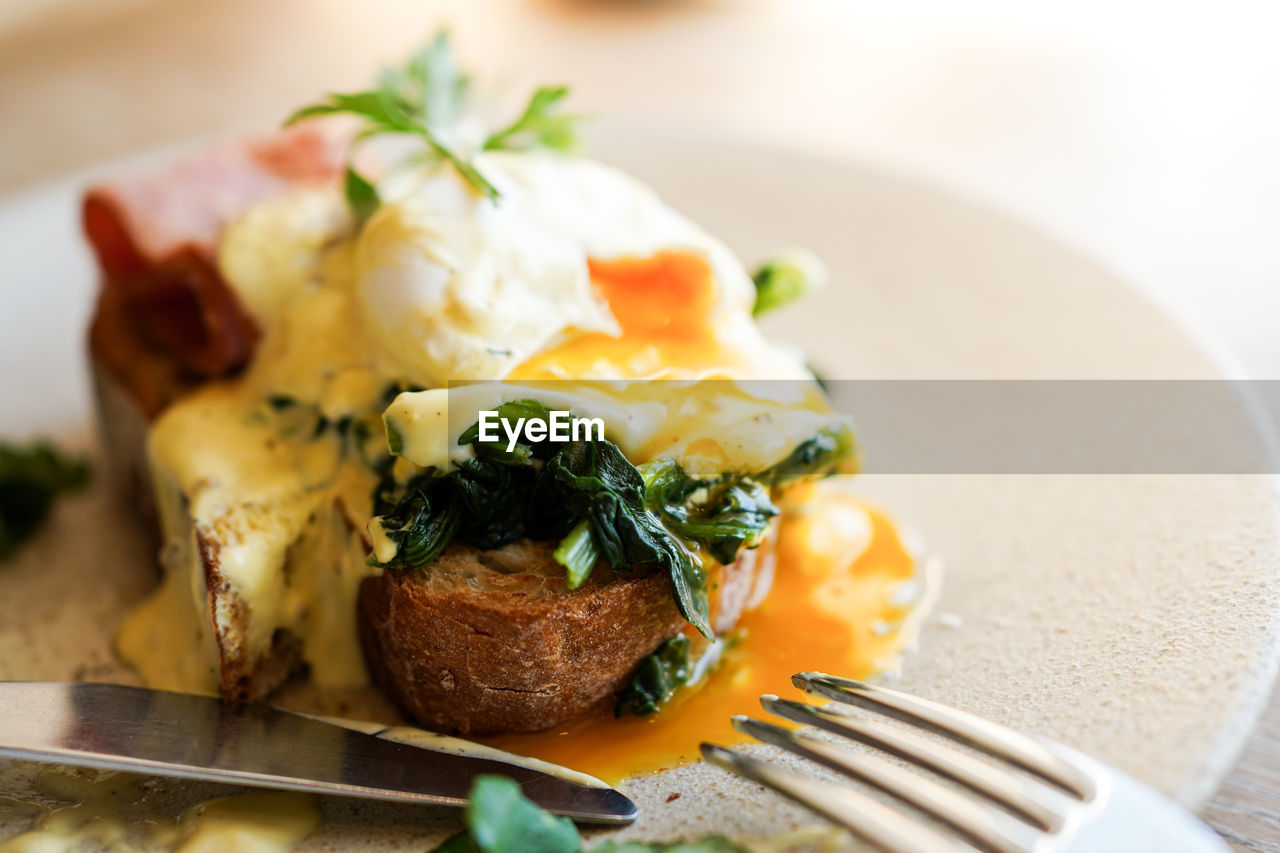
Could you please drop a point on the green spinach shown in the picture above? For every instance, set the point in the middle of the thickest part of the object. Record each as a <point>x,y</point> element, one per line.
<point>725,514</point>
<point>30,479</point>
<point>657,678</point>
<point>544,490</point>
<point>587,495</point>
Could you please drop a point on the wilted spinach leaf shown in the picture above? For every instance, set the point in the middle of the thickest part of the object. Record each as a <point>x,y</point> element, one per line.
<point>725,514</point>
<point>659,676</point>
<point>587,494</point>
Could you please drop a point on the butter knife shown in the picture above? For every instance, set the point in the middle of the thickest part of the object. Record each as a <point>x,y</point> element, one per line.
<point>115,727</point>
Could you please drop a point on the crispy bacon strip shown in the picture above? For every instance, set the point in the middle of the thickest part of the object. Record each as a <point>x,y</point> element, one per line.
<point>163,299</point>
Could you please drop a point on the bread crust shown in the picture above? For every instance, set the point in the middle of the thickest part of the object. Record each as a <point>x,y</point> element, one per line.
<point>242,677</point>
<point>465,647</point>
<point>510,652</point>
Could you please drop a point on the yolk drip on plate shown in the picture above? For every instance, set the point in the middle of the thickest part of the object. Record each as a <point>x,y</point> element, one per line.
<point>832,609</point>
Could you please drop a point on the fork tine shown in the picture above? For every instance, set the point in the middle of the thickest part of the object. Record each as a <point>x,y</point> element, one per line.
<point>1021,797</point>
<point>872,821</point>
<point>989,830</point>
<point>993,739</point>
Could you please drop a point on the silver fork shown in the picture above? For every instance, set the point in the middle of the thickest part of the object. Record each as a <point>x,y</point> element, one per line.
<point>1055,800</point>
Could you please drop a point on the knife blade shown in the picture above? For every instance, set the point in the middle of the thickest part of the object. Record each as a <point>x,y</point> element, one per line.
<point>115,727</point>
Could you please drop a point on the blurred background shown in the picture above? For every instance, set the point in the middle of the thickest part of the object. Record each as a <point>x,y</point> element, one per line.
<point>1147,132</point>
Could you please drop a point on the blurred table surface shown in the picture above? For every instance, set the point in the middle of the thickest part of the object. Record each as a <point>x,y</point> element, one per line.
<point>1146,131</point>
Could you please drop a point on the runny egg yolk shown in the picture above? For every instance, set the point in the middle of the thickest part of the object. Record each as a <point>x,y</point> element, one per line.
<point>664,305</point>
<point>832,609</point>
<point>667,296</point>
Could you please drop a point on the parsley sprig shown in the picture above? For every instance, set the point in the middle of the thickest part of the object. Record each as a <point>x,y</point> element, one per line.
<point>539,126</point>
<point>424,99</point>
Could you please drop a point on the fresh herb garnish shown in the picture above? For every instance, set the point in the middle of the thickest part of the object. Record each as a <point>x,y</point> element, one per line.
<point>539,126</point>
<point>362,196</point>
<point>424,99</point>
<point>786,278</point>
<point>30,479</point>
<point>500,819</point>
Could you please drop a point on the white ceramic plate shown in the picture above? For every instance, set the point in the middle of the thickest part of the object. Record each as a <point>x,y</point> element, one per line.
<point>1131,617</point>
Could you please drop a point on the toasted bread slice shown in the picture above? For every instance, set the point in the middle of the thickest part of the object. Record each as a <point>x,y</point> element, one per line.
<point>493,641</point>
